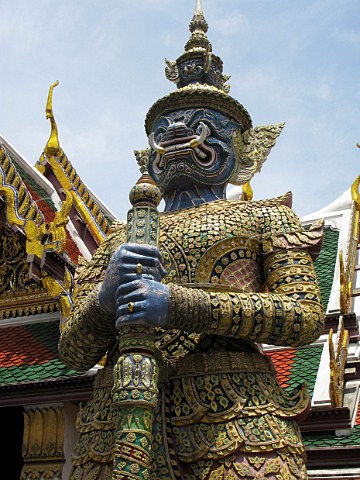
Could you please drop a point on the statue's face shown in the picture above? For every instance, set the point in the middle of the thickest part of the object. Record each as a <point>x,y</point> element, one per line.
<point>192,147</point>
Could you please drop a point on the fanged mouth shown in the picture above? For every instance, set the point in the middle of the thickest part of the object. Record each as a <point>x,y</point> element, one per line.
<point>194,146</point>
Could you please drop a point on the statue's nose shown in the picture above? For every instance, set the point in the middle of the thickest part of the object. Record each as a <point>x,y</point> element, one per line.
<point>176,130</point>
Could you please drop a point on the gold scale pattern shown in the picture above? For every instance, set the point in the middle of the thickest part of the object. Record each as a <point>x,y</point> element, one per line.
<point>231,406</point>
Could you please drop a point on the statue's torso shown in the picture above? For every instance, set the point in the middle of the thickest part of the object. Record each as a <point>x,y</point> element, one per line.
<point>217,244</point>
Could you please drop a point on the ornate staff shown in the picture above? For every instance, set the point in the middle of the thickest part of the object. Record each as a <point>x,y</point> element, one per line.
<point>136,372</point>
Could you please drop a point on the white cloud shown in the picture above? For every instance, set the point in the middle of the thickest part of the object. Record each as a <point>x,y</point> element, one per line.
<point>323,91</point>
<point>349,36</point>
<point>229,24</point>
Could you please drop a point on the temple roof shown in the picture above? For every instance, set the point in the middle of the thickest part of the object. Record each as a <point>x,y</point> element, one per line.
<point>326,262</point>
<point>296,366</point>
<point>331,440</point>
<point>40,194</point>
<point>29,353</point>
<point>89,215</point>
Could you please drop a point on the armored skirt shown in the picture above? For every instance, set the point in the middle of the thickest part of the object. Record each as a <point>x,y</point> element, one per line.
<point>221,415</point>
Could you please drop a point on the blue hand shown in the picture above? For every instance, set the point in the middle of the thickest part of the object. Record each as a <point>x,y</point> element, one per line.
<point>122,269</point>
<point>149,302</point>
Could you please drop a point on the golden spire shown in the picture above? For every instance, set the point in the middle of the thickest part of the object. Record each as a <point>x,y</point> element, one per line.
<point>198,28</point>
<point>52,147</point>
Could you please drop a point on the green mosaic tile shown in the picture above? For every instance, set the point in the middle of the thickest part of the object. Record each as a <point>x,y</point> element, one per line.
<point>48,335</point>
<point>31,373</point>
<point>305,367</point>
<point>331,440</point>
<point>29,354</point>
<point>325,263</point>
<point>33,184</point>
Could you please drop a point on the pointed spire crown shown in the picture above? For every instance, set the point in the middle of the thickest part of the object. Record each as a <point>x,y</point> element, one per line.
<point>197,64</point>
<point>198,28</point>
<point>198,75</point>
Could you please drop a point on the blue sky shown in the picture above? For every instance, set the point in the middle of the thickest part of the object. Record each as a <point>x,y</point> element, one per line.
<point>289,61</point>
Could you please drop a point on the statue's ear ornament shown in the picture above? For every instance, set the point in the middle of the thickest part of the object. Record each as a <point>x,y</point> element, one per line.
<point>252,148</point>
<point>142,159</point>
<point>207,59</point>
<point>172,71</point>
<point>224,86</point>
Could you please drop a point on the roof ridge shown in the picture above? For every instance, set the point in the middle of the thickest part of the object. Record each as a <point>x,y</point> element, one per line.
<point>21,206</point>
<point>54,161</point>
<point>69,179</point>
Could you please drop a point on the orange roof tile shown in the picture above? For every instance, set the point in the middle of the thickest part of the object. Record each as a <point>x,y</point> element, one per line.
<point>28,353</point>
<point>357,421</point>
<point>283,361</point>
<point>20,347</point>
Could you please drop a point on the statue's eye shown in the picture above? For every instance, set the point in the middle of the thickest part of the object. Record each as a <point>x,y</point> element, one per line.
<point>159,133</point>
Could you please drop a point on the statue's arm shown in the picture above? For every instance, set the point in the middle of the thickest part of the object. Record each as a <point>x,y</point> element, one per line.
<point>90,331</point>
<point>289,313</point>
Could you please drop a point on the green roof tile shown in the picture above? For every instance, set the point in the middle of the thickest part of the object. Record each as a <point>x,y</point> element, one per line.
<point>305,367</point>
<point>331,440</point>
<point>29,354</point>
<point>33,184</point>
<point>34,373</point>
<point>48,336</point>
<point>325,263</point>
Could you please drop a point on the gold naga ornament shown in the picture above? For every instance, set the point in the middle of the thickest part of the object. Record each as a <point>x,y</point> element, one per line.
<point>68,178</point>
<point>347,272</point>
<point>76,194</point>
<point>337,364</point>
<point>338,350</point>
<point>25,215</point>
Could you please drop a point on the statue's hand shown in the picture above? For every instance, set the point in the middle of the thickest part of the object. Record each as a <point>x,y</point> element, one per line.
<point>124,267</point>
<point>142,302</point>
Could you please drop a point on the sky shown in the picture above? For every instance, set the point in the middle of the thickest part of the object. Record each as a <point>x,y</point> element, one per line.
<point>292,61</point>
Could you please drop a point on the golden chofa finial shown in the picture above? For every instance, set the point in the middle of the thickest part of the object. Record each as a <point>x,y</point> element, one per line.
<point>52,147</point>
<point>355,193</point>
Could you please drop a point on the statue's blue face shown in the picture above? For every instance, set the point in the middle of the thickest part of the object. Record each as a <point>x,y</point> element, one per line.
<point>192,147</point>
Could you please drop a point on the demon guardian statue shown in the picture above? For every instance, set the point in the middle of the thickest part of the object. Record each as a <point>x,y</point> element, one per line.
<point>195,397</point>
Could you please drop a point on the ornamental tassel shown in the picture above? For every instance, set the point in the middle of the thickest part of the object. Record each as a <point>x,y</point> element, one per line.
<point>136,372</point>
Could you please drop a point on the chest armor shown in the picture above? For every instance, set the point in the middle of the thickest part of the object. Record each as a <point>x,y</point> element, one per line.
<point>216,248</point>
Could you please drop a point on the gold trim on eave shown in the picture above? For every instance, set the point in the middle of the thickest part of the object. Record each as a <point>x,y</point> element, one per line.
<point>68,178</point>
